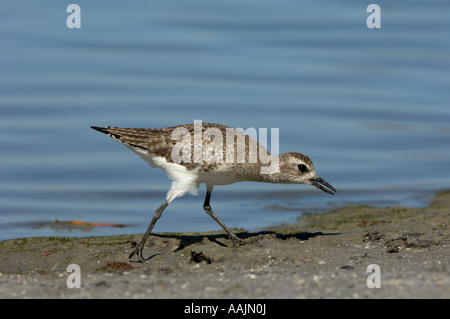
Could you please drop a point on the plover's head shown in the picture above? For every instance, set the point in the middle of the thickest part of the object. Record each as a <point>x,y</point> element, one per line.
<point>297,168</point>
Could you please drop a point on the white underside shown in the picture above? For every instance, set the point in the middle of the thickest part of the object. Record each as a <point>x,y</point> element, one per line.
<point>185,180</point>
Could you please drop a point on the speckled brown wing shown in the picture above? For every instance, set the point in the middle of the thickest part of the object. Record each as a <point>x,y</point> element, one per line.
<point>154,141</point>
<point>160,142</point>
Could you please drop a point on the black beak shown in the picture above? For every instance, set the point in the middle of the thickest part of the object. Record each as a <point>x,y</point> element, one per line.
<point>321,184</point>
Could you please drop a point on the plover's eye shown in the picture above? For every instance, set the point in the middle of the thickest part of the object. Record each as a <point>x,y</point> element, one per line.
<point>302,168</point>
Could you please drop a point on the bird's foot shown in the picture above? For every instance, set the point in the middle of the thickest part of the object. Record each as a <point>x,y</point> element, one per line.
<point>138,250</point>
<point>236,240</point>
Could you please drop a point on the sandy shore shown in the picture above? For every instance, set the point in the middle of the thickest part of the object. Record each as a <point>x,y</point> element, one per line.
<point>322,256</point>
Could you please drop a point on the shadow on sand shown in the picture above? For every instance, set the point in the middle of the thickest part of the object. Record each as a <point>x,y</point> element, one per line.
<point>188,240</point>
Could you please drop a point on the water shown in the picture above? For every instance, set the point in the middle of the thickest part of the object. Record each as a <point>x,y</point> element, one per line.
<point>370,107</point>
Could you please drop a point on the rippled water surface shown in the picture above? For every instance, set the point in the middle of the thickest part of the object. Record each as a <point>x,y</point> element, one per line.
<point>369,106</point>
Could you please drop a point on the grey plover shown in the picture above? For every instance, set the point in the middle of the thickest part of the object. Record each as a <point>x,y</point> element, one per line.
<point>212,154</point>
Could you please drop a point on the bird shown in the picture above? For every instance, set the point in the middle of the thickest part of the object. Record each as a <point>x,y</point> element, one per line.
<point>212,154</point>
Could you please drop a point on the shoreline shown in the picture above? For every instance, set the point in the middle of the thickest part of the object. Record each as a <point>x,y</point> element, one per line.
<point>321,256</point>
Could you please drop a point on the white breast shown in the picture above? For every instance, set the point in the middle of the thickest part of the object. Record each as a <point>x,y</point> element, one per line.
<point>184,180</point>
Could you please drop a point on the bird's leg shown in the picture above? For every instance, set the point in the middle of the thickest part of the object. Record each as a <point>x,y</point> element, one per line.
<point>139,247</point>
<point>235,239</point>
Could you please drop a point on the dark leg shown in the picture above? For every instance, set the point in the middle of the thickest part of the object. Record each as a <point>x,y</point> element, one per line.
<point>235,239</point>
<point>138,249</point>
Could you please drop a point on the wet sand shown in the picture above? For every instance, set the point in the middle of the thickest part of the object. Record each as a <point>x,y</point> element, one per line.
<point>321,256</point>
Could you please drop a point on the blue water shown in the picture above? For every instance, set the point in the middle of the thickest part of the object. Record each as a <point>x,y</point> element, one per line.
<point>371,107</point>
